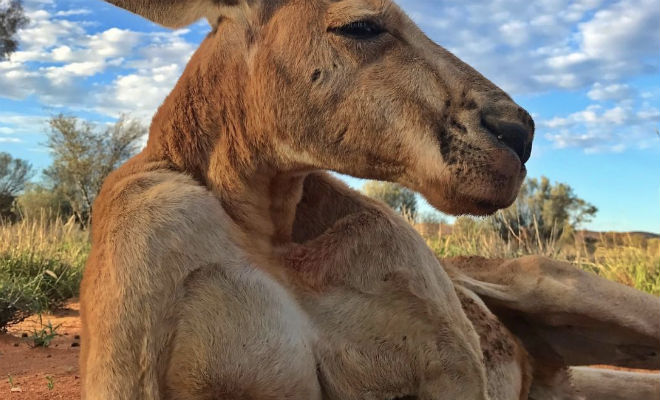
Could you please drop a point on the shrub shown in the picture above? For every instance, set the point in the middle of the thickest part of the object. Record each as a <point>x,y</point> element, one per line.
<point>30,283</point>
<point>636,265</point>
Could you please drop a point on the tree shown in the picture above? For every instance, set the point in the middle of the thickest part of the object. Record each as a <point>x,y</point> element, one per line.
<point>401,199</point>
<point>545,210</point>
<point>14,174</point>
<point>83,156</point>
<point>12,19</point>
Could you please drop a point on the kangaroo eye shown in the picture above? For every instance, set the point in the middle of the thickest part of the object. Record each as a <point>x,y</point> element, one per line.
<point>363,29</point>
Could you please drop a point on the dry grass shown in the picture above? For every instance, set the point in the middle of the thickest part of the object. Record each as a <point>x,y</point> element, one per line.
<point>41,263</point>
<point>629,263</point>
<point>626,258</point>
<point>48,237</point>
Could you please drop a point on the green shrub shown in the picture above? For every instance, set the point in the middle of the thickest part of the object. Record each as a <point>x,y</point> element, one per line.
<point>30,283</point>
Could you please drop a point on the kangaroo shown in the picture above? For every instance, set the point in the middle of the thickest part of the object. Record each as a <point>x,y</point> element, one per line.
<point>191,289</point>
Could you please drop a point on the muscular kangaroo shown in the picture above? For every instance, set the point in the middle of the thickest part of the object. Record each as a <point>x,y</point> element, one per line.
<point>189,291</point>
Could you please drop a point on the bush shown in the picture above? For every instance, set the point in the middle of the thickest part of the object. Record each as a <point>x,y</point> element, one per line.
<point>14,175</point>
<point>30,283</point>
<point>630,263</point>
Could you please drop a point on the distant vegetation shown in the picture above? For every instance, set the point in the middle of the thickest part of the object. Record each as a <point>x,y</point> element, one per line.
<point>629,258</point>
<point>14,175</point>
<point>544,212</point>
<point>83,155</point>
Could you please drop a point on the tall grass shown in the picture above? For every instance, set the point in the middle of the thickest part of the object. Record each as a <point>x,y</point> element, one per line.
<point>630,263</point>
<point>41,262</point>
<point>625,258</point>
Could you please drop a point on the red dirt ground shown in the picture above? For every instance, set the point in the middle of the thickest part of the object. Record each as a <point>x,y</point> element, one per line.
<point>29,367</point>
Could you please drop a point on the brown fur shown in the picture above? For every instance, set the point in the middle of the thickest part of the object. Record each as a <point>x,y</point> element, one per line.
<point>608,384</point>
<point>223,267</point>
<point>564,313</point>
<point>188,293</point>
<point>388,321</point>
<point>507,364</point>
<point>564,316</point>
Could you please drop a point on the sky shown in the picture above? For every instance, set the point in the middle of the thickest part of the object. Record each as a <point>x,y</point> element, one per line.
<point>587,70</point>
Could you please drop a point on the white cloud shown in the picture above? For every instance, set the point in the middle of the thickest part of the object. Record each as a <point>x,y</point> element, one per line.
<point>615,91</point>
<point>34,70</point>
<point>139,94</point>
<point>45,31</point>
<point>627,30</point>
<point>649,114</point>
<point>532,47</point>
<point>157,68</point>
<point>617,42</point>
<point>596,115</point>
<point>598,129</point>
<point>576,10</point>
<point>514,33</point>
<point>17,124</point>
<point>59,60</point>
<point>69,13</point>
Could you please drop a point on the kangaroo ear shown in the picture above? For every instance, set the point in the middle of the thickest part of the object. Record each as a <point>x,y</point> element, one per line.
<point>560,311</point>
<point>176,13</point>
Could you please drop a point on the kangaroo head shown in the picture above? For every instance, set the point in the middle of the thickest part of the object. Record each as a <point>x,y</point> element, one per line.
<point>352,86</point>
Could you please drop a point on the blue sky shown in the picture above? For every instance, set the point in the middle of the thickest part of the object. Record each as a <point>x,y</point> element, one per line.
<point>587,70</point>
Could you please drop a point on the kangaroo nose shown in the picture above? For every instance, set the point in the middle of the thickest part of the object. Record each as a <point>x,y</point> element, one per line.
<point>517,134</point>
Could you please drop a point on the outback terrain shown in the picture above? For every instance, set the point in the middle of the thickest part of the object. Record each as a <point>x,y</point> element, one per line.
<point>39,372</point>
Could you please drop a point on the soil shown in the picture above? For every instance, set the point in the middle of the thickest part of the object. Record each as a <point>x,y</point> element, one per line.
<point>29,367</point>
